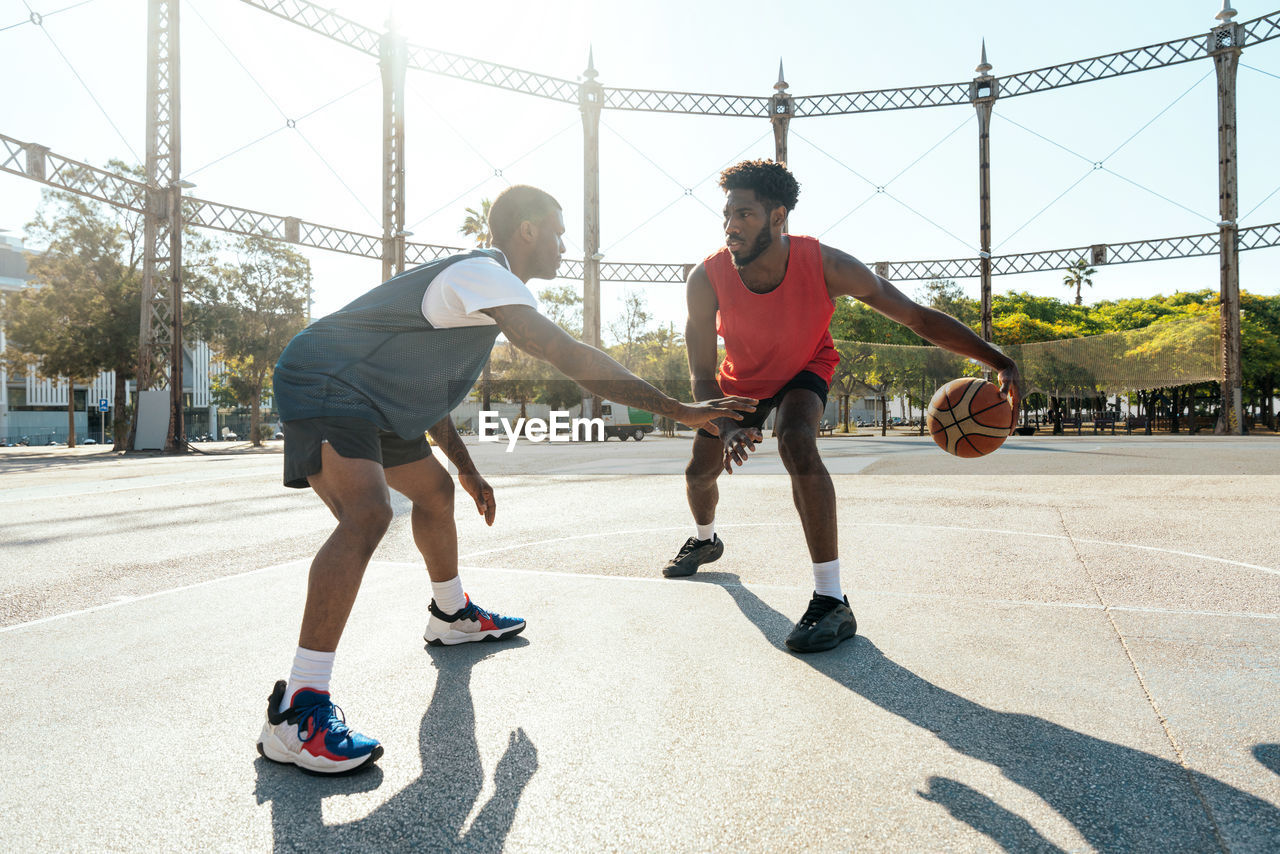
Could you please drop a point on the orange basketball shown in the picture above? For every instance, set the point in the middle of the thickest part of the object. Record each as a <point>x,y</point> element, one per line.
<point>969,417</point>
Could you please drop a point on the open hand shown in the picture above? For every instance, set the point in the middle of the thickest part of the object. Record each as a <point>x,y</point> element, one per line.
<point>1011,386</point>
<point>704,414</point>
<point>739,442</point>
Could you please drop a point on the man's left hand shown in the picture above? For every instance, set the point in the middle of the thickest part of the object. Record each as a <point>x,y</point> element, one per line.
<point>481,493</point>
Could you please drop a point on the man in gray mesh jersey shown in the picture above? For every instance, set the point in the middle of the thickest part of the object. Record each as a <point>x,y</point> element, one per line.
<point>357,390</point>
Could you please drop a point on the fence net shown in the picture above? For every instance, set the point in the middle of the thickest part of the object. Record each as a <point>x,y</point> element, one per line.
<point>1165,354</point>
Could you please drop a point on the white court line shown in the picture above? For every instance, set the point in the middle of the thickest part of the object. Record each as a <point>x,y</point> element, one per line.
<point>1228,561</point>
<point>173,481</point>
<point>129,600</point>
<point>470,555</point>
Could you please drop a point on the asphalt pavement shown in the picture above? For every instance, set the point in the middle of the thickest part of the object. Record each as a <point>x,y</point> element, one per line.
<point>1069,645</point>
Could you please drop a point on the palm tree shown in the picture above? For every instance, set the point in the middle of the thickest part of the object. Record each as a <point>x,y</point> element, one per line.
<point>1078,275</point>
<point>477,225</point>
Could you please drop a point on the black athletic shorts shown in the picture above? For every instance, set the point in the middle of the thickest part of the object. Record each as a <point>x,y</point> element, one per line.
<point>353,438</point>
<point>805,379</point>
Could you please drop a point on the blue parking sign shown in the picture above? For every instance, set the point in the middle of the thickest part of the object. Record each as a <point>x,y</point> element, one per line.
<point>104,405</point>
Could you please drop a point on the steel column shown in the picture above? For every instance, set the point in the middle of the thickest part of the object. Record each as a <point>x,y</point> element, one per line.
<point>160,324</point>
<point>590,99</point>
<point>1225,44</point>
<point>781,109</point>
<point>393,55</point>
<point>983,92</point>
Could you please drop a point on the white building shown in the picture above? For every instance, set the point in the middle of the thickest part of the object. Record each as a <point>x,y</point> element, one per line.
<point>37,409</point>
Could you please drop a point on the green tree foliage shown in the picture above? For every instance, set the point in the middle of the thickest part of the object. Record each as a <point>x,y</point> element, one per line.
<point>1078,274</point>
<point>476,225</point>
<point>251,308</point>
<point>81,314</point>
<point>629,329</point>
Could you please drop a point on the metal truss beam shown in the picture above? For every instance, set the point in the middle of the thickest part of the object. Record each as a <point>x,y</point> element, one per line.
<point>25,160</point>
<point>364,39</point>
<point>38,163</point>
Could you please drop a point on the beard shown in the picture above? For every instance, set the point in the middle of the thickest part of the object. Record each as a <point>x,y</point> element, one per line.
<point>762,242</point>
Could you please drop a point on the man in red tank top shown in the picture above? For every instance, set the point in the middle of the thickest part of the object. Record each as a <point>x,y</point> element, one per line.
<point>770,296</point>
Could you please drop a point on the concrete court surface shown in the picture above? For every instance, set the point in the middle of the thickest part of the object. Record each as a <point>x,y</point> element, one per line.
<point>1070,645</point>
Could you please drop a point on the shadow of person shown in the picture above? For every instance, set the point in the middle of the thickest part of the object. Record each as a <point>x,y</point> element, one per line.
<point>1118,798</point>
<point>1268,755</point>
<point>430,814</point>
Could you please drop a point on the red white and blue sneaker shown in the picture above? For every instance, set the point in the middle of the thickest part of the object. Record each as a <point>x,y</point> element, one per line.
<point>312,734</point>
<point>471,623</point>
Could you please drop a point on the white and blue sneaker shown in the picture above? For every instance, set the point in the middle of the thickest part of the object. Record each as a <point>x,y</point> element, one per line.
<point>471,623</point>
<point>312,734</point>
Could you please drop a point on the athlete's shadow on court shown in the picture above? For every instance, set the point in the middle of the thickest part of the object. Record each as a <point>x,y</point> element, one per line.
<point>430,814</point>
<point>1118,798</point>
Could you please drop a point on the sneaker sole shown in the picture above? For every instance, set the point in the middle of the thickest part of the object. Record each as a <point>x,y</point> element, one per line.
<point>270,748</point>
<point>455,638</point>
<point>670,571</point>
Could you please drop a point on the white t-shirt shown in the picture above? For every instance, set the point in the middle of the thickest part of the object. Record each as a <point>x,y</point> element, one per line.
<point>459,292</point>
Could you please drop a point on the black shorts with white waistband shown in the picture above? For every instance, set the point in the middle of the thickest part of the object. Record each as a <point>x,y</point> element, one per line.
<point>353,438</point>
<point>805,380</point>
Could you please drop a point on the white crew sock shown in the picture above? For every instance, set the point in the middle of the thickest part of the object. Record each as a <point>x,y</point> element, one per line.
<point>706,532</point>
<point>826,579</point>
<point>311,669</point>
<point>449,595</point>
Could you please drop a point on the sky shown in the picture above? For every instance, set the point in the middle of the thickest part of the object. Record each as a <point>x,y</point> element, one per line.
<point>75,82</point>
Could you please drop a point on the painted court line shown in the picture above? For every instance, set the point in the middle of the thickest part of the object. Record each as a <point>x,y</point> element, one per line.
<point>414,566</point>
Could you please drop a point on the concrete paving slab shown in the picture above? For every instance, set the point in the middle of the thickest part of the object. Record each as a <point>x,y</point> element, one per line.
<point>633,714</point>
<point>1103,680</point>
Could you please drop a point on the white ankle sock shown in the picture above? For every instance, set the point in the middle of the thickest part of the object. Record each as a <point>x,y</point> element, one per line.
<point>826,579</point>
<point>311,669</point>
<point>706,532</point>
<point>449,595</point>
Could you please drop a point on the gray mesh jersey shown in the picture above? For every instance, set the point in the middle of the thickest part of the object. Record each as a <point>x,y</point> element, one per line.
<point>379,359</point>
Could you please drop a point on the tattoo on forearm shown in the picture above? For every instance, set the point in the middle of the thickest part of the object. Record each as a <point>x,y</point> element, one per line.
<point>446,437</point>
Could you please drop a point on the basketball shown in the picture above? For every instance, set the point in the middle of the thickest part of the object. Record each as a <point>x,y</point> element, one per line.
<point>969,417</point>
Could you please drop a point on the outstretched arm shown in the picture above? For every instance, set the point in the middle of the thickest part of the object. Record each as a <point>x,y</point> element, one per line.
<point>847,276</point>
<point>601,375</point>
<point>700,339</point>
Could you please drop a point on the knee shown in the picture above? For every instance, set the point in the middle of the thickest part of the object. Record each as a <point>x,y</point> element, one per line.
<point>369,521</point>
<point>798,447</point>
<point>438,498</point>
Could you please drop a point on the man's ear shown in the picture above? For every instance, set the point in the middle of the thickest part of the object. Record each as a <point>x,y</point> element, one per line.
<point>778,216</point>
<point>527,231</point>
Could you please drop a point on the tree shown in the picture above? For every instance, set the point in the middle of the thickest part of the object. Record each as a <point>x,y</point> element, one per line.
<point>1078,274</point>
<point>562,305</point>
<point>949,298</point>
<point>252,308</point>
<point>630,326</point>
<point>476,225</point>
<point>80,316</point>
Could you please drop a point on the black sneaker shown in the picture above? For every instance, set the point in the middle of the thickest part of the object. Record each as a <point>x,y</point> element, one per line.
<point>693,554</point>
<point>827,622</point>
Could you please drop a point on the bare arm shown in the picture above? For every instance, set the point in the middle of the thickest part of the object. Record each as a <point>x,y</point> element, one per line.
<point>700,338</point>
<point>446,438</point>
<point>597,372</point>
<point>847,276</point>
<point>445,435</point>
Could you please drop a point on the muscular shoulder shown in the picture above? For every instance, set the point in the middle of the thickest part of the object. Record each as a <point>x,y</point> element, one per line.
<point>699,292</point>
<point>845,274</point>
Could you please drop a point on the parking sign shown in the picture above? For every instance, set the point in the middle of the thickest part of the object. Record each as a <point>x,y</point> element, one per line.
<point>104,405</point>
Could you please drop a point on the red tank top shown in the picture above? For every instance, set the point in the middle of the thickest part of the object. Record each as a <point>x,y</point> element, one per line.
<point>771,337</point>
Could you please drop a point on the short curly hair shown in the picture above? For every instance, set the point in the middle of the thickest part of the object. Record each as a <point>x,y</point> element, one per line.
<point>772,183</point>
